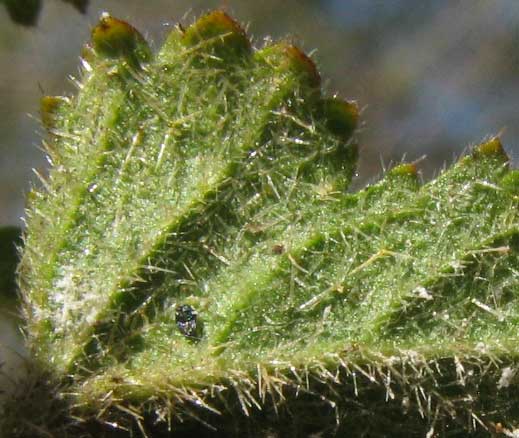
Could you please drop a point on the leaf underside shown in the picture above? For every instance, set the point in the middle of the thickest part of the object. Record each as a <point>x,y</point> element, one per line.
<point>214,175</point>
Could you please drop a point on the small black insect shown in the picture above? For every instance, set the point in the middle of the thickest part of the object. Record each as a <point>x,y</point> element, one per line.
<point>185,317</point>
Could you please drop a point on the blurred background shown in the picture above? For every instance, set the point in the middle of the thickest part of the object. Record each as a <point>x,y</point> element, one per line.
<point>432,77</point>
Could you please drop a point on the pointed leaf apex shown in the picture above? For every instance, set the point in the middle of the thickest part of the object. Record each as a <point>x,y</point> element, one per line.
<point>493,147</point>
<point>114,38</point>
<point>341,116</point>
<point>286,57</point>
<point>302,62</point>
<point>219,31</point>
<point>49,106</point>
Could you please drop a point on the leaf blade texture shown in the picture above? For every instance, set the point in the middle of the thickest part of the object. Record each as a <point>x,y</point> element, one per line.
<point>213,178</point>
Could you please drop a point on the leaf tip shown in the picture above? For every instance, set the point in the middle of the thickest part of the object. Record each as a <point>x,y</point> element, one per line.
<point>287,58</point>
<point>341,116</point>
<point>114,38</point>
<point>49,107</point>
<point>492,147</point>
<point>219,31</point>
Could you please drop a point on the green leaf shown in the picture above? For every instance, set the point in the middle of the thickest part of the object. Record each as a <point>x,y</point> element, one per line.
<point>195,251</point>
